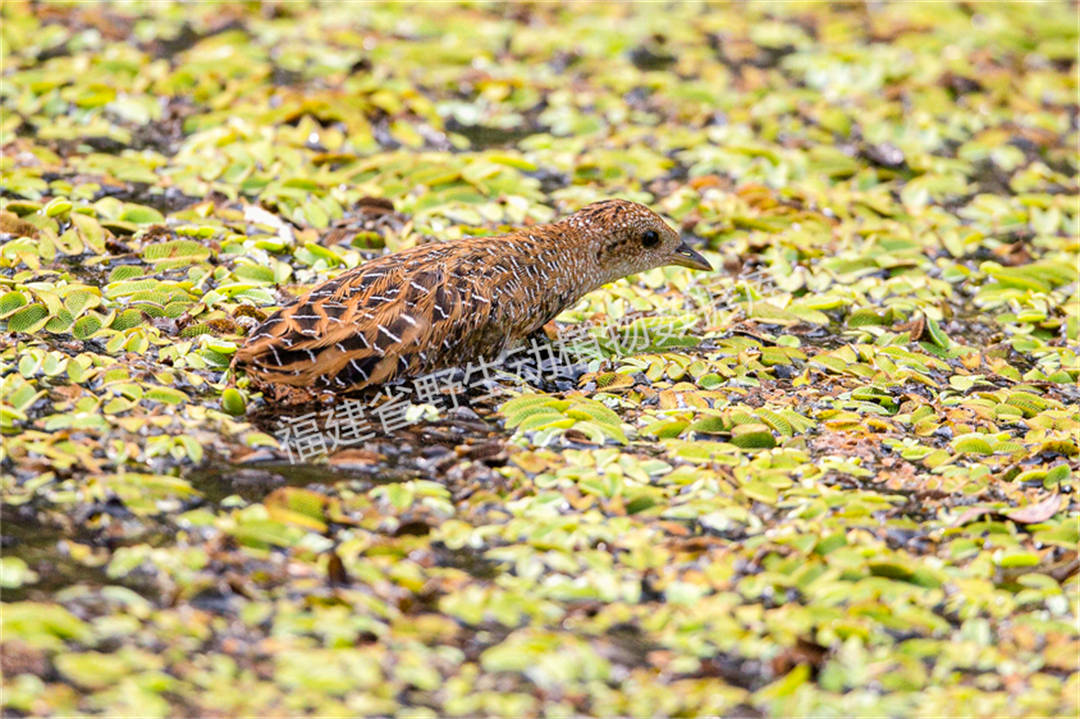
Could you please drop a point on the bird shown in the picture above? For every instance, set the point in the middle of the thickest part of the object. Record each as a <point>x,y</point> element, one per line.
<point>442,304</point>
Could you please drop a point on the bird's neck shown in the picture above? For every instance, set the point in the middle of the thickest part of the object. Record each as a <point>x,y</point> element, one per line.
<point>562,267</point>
<point>569,260</point>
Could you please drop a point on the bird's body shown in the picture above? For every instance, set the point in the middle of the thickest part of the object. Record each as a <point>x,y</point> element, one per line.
<point>444,304</point>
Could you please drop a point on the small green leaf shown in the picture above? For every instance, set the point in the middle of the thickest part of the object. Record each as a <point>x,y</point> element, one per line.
<point>141,215</point>
<point>752,436</point>
<point>972,444</point>
<point>12,301</point>
<point>232,401</point>
<point>29,319</point>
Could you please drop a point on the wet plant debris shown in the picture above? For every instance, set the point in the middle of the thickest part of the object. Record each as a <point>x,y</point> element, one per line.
<point>835,476</point>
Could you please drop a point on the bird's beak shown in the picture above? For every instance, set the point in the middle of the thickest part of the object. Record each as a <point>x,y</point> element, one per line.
<point>687,257</point>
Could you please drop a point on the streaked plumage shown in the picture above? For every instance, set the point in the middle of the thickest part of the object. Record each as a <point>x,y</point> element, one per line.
<point>444,304</point>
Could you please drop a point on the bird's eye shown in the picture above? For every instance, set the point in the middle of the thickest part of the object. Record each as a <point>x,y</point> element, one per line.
<point>650,239</point>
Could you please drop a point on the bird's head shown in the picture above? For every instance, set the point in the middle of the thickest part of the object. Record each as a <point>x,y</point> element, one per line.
<point>626,237</point>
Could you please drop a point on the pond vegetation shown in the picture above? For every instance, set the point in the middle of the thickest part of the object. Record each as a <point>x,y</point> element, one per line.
<point>837,476</point>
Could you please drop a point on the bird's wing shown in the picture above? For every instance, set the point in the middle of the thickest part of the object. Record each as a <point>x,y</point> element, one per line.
<point>406,313</point>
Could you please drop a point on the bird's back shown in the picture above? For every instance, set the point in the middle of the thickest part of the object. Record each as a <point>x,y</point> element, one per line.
<point>404,314</point>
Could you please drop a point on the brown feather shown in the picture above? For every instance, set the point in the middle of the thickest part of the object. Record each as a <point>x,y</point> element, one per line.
<point>444,304</point>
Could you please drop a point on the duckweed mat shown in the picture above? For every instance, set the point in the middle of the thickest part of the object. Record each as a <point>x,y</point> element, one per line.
<point>837,476</point>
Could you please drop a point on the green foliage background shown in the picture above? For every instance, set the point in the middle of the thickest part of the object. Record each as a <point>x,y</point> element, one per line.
<point>854,495</point>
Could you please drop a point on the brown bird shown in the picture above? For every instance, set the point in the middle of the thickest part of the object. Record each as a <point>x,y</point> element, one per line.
<point>444,304</point>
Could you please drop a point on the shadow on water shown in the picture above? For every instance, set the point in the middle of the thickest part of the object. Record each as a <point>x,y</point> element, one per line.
<point>252,482</point>
<point>419,451</point>
<point>40,546</point>
<point>482,137</point>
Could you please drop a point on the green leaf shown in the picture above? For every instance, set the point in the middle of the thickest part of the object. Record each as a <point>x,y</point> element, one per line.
<point>12,301</point>
<point>972,444</point>
<point>752,436</point>
<point>141,215</point>
<point>176,251</point>
<point>232,401</point>
<point>86,326</point>
<point>29,319</point>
